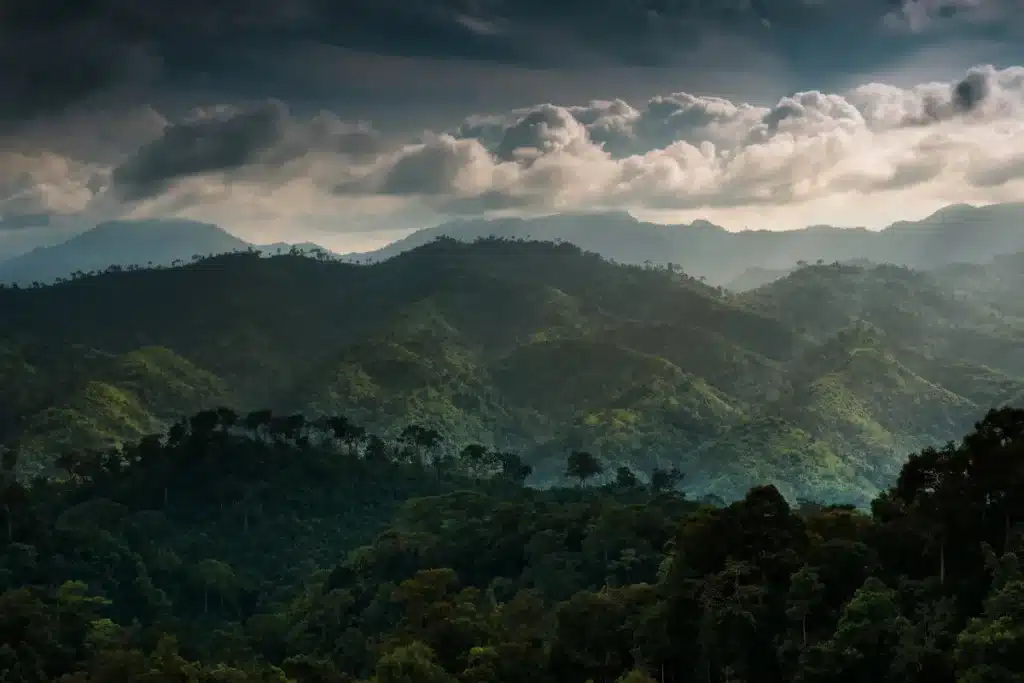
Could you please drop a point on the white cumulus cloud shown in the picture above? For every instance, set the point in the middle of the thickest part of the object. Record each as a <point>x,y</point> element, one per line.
<point>681,151</point>
<point>811,156</point>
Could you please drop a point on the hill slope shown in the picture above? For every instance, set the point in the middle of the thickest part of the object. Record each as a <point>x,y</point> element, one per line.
<point>820,382</point>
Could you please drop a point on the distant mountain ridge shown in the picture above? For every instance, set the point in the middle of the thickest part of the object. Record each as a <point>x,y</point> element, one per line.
<point>955,234</point>
<point>145,243</point>
<point>737,260</point>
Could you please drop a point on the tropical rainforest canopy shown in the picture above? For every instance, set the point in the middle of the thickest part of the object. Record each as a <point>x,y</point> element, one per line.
<point>263,548</point>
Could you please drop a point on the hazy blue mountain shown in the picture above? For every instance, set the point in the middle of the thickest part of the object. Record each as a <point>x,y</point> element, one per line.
<point>955,234</point>
<point>21,233</point>
<point>121,243</point>
<point>130,243</point>
<point>615,235</point>
<point>737,260</point>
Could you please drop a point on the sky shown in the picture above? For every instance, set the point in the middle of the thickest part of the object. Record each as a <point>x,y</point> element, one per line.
<point>353,122</point>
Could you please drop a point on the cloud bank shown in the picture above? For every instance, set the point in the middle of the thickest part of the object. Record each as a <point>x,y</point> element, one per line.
<point>679,152</point>
<point>264,116</point>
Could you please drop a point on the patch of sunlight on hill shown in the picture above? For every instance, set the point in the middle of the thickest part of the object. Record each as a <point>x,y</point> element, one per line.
<point>128,396</point>
<point>772,451</point>
<point>862,402</point>
<point>166,381</point>
<point>98,416</point>
<point>417,372</point>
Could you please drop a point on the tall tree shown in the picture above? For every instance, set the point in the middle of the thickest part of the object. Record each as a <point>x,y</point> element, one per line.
<point>582,466</point>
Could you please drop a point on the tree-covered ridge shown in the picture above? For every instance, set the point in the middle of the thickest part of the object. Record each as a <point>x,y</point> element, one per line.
<point>536,347</point>
<point>274,548</point>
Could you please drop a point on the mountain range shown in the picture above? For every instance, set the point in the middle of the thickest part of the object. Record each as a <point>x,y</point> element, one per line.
<point>955,234</point>
<point>738,260</point>
<point>820,382</point>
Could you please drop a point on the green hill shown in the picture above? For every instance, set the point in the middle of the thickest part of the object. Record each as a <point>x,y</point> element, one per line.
<point>776,452</point>
<point>120,398</point>
<point>925,311</point>
<point>418,369</point>
<point>862,400</point>
<point>821,381</point>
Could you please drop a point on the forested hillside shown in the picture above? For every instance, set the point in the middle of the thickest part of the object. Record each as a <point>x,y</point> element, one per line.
<point>819,383</point>
<point>254,547</point>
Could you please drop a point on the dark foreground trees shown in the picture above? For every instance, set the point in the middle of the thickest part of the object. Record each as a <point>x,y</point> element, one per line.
<point>265,548</point>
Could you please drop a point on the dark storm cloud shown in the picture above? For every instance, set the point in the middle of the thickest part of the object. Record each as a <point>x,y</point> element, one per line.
<point>262,135</point>
<point>216,143</point>
<point>430,171</point>
<point>54,53</point>
<point>44,71</point>
<point>971,91</point>
<point>964,97</point>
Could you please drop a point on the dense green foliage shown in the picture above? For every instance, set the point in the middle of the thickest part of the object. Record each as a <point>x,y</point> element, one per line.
<point>819,383</point>
<point>261,548</point>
